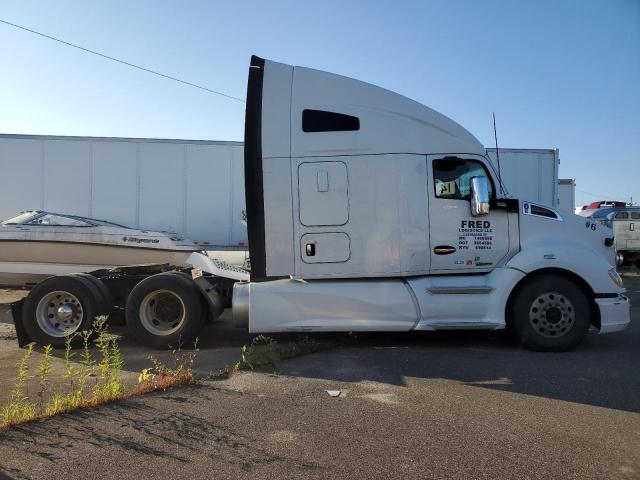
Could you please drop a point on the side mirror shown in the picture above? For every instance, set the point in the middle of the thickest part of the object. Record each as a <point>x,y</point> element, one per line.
<point>479,196</point>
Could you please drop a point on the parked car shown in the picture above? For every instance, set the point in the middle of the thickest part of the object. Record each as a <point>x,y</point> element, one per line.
<point>626,234</point>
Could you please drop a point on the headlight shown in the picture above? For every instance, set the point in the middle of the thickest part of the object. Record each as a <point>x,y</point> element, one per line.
<point>616,278</point>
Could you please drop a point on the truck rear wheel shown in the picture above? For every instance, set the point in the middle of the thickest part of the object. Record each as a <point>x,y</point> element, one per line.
<point>550,313</point>
<point>164,311</point>
<point>103,293</point>
<point>60,306</point>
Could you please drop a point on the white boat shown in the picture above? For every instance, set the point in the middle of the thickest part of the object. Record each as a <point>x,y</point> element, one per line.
<point>37,244</point>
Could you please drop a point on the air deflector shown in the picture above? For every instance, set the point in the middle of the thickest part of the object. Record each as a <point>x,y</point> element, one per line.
<point>253,185</point>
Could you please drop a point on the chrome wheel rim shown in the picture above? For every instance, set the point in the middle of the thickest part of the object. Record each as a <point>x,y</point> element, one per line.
<point>162,312</point>
<point>59,313</point>
<point>552,315</point>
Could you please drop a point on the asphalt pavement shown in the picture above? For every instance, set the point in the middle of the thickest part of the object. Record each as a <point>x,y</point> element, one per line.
<point>456,405</point>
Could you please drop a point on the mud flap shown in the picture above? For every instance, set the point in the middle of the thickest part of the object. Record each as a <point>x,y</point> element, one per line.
<point>213,298</point>
<point>16,312</point>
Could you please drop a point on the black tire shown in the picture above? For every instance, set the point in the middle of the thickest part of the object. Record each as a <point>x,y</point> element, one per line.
<point>209,313</point>
<point>204,305</point>
<point>164,311</point>
<point>82,313</point>
<point>102,292</point>
<point>550,313</point>
<point>627,260</point>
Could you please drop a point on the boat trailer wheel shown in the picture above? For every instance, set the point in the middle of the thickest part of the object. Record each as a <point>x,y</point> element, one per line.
<point>59,313</point>
<point>162,312</point>
<point>551,315</point>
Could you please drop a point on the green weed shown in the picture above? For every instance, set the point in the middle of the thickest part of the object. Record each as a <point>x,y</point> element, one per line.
<point>20,409</point>
<point>77,389</point>
<point>44,369</point>
<point>109,386</point>
<point>61,403</point>
<point>162,376</point>
<point>265,353</point>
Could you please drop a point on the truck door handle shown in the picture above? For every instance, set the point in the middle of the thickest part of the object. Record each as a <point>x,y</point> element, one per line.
<point>310,248</point>
<point>444,249</point>
<point>323,181</point>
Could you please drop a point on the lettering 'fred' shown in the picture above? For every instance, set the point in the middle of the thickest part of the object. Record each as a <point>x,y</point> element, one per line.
<point>475,224</point>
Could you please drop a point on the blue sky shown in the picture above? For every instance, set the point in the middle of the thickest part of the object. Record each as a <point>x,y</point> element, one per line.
<point>559,74</point>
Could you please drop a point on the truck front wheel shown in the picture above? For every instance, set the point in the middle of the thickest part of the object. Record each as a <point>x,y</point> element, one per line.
<point>164,311</point>
<point>550,313</point>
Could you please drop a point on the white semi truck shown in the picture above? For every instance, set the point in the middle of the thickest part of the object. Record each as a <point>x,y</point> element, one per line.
<point>366,211</point>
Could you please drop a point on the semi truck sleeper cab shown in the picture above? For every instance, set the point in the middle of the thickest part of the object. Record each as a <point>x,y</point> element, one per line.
<point>370,212</point>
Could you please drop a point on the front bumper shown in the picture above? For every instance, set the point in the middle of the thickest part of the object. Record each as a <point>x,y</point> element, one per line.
<point>615,313</point>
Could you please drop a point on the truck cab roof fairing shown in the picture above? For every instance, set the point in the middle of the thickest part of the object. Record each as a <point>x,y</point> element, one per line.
<point>388,122</point>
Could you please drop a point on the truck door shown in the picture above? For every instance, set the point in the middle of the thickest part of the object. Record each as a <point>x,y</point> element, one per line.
<point>460,242</point>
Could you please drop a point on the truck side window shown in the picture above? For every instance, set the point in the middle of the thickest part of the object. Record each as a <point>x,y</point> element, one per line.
<point>621,216</point>
<point>322,121</point>
<point>452,177</point>
<point>635,215</point>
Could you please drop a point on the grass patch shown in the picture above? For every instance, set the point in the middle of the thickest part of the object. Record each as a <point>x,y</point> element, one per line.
<point>162,376</point>
<point>20,409</point>
<point>265,353</point>
<point>91,381</point>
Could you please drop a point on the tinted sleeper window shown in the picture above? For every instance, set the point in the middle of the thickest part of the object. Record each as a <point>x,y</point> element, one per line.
<point>322,121</point>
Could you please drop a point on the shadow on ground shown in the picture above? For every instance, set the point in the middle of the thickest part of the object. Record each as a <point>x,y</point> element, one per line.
<point>150,428</point>
<point>602,371</point>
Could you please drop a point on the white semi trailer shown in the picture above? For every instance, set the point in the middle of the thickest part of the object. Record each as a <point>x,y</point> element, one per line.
<point>532,173</point>
<point>567,194</point>
<point>367,211</point>
<point>192,187</point>
<point>529,173</point>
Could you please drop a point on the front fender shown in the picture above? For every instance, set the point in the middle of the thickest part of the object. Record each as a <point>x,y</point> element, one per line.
<point>592,267</point>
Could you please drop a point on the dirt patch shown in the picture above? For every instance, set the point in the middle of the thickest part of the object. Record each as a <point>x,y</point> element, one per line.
<point>7,330</point>
<point>10,295</point>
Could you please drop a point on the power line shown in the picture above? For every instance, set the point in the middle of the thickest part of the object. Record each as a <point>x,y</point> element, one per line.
<point>595,194</point>
<point>601,196</point>
<point>87,50</point>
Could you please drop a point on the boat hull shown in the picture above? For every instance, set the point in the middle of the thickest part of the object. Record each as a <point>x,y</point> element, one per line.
<point>23,263</point>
